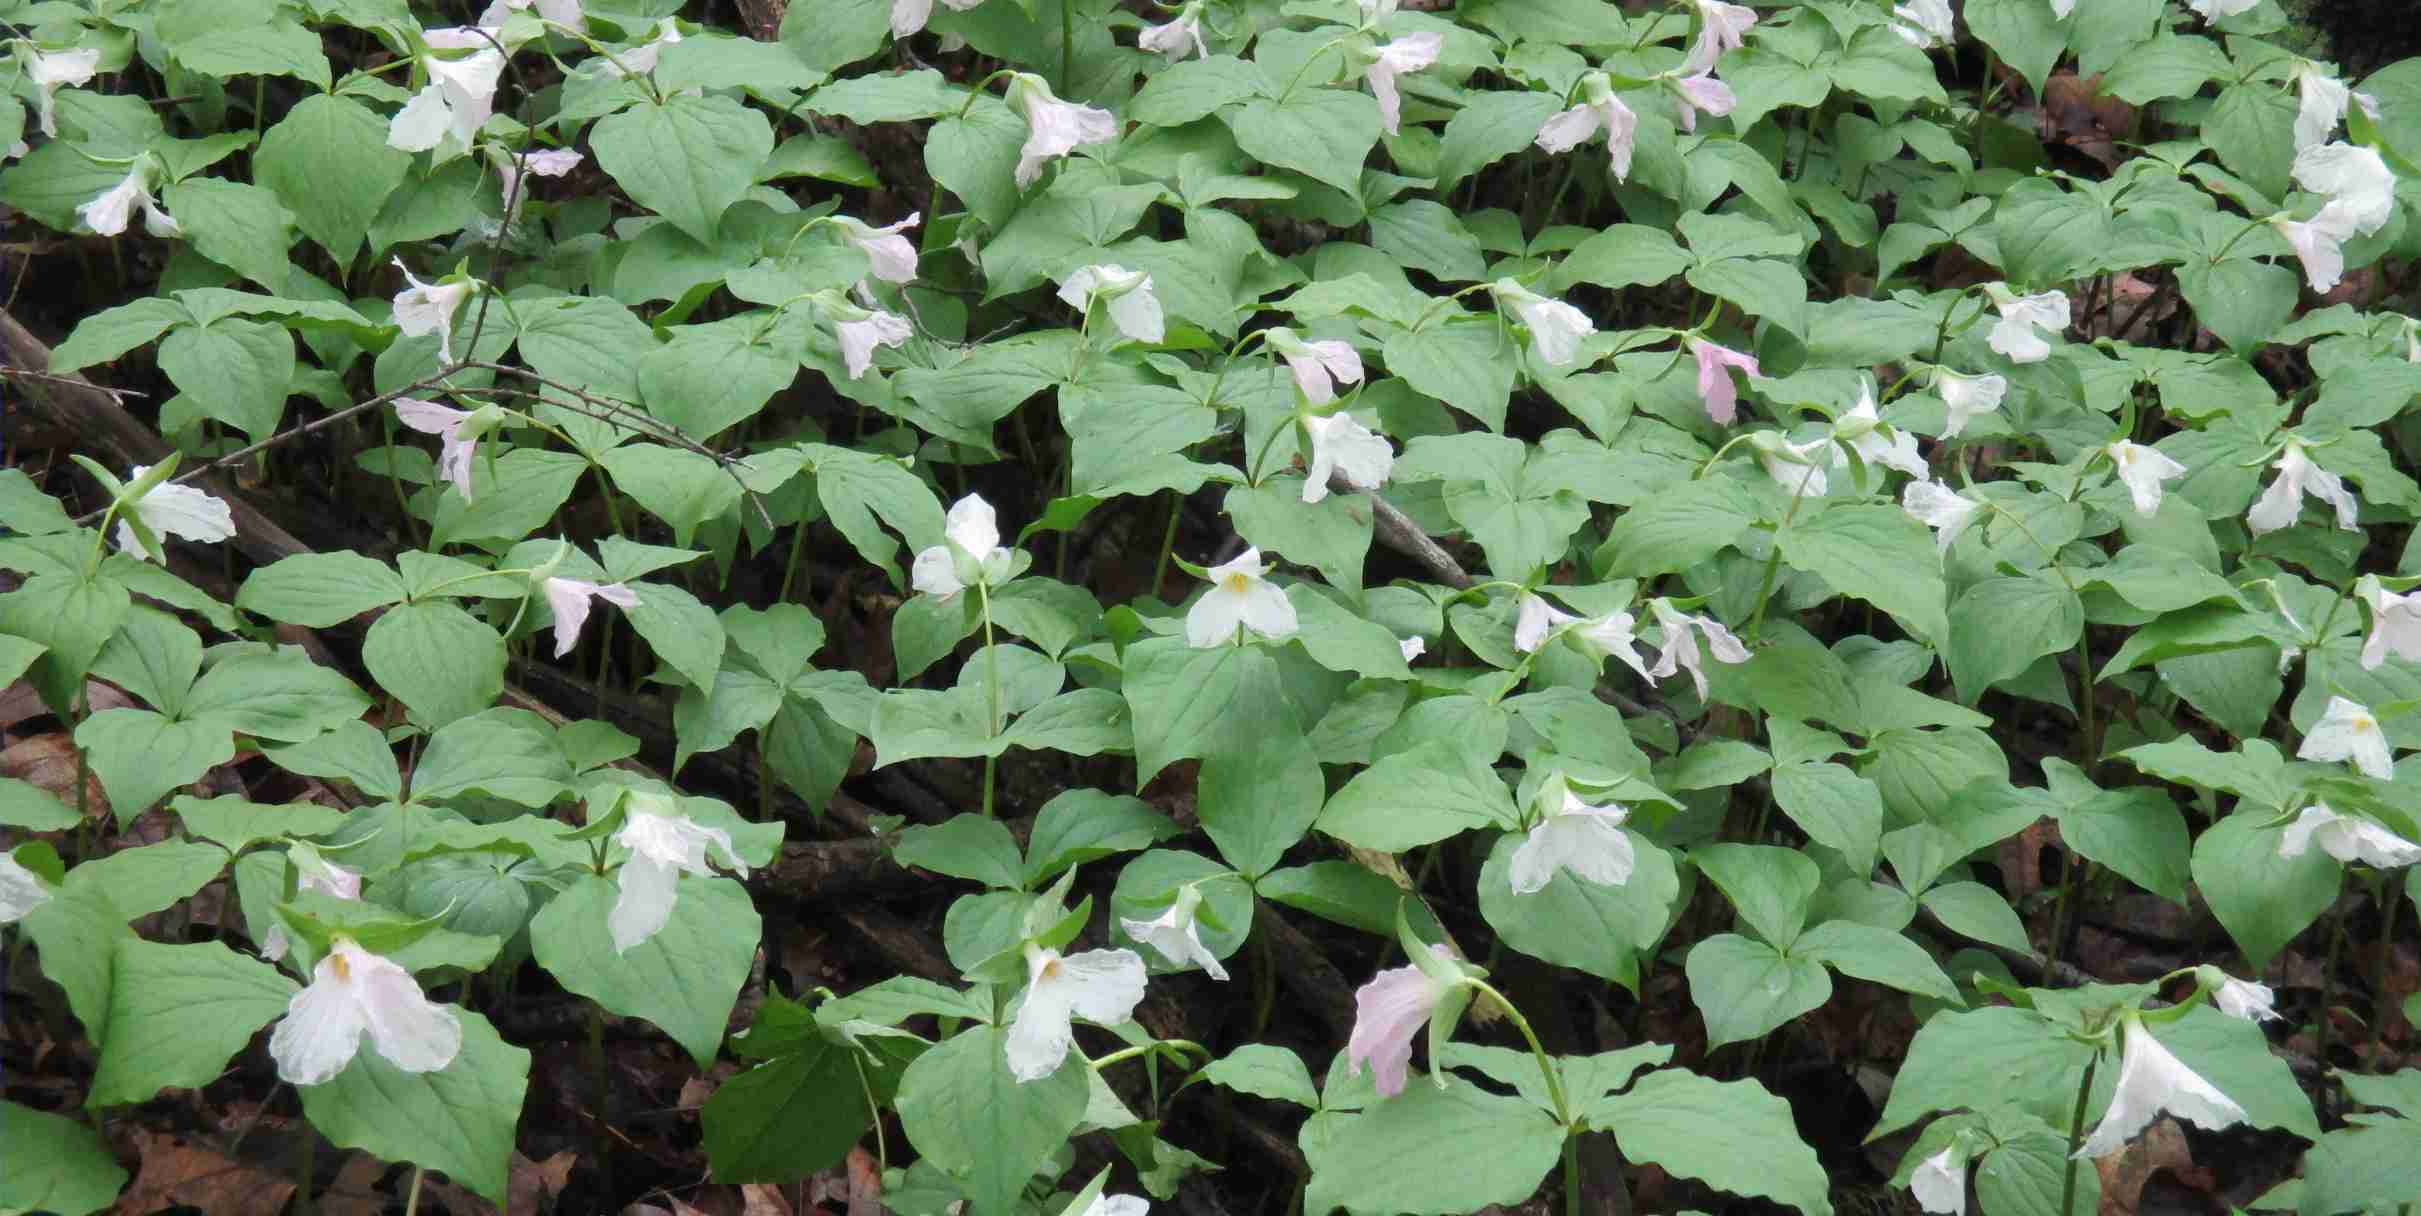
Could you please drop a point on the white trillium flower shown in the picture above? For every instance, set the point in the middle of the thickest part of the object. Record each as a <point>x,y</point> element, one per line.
<point>2318,244</point>
<point>1925,24</point>
<point>1341,445</point>
<point>51,71</point>
<point>2347,838</point>
<point>455,448</point>
<point>1402,56</point>
<point>1967,396</point>
<point>1318,367</point>
<point>1101,986</point>
<point>448,112</point>
<point>1937,506</point>
<point>2213,10</point>
<point>1177,38</point>
<point>909,16</point>
<point>1054,128</point>
<point>2014,334</point>
<point>641,60</point>
<point>1573,836</point>
<point>1388,1011</point>
<point>1861,429</point>
<point>1118,1205</point>
<point>21,890</point>
<point>973,529</point>
<point>2143,470</point>
<point>861,336</point>
<point>1412,647</point>
<point>2246,999</point>
<point>1176,934</point>
<point>1680,649</point>
<point>2347,730</point>
<point>1600,110</point>
<point>1701,92</point>
<point>890,254</point>
<point>1133,306</point>
<point>565,13</point>
<point>352,993</point>
<point>2061,8</point>
<point>1721,27</point>
<point>312,872</point>
<point>570,597</point>
<point>169,509</point>
<point>1940,1182</point>
<point>109,211</point>
<point>662,848</point>
<point>2351,175</point>
<point>1535,620</point>
<point>429,308</point>
<point>1375,11</point>
<point>2395,624</point>
<point>1614,635</point>
<point>1239,596</point>
<point>2150,1080</point>
<point>2298,476</point>
<point>1797,467</point>
<point>550,162</point>
<point>2322,102</point>
<point>1556,328</point>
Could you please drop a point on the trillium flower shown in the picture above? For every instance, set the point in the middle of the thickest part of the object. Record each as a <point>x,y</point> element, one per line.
<point>21,890</point>
<point>1681,648</point>
<point>1926,24</point>
<point>429,308</point>
<point>565,13</point>
<point>2347,730</point>
<point>1133,306</point>
<point>1861,429</point>
<point>1239,596</point>
<point>2061,8</point>
<point>1940,1182</point>
<point>1177,37</point>
<point>1600,110</point>
<point>1318,367</point>
<point>169,509</point>
<point>550,162</point>
<point>1388,1011</point>
<point>1054,128</point>
<point>1118,1205</point>
<point>447,113</point>
<point>972,532</point>
<point>1964,397</point>
<point>2318,243</point>
<point>890,254</point>
<point>1412,647</point>
<point>50,71</point>
<point>2143,470</point>
<point>1715,382</point>
<point>2014,335</point>
<point>2245,999</point>
<point>1341,445</point>
<point>1399,57</point>
<point>312,872</point>
<point>456,446</point>
<point>2347,838</point>
<point>1940,508</point>
<point>2395,623</point>
<point>1701,92</point>
<point>1176,934</point>
<point>2298,476</point>
<point>2322,102</point>
<point>861,331</point>
<point>1796,467</point>
<point>2150,1080</point>
<point>662,848</point>
<point>1573,836</point>
<point>1556,328</point>
<point>2213,10</point>
<point>909,16</point>
<point>2353,176</point>
<point>352,993</point>
<point>109,211</point>
<point>641,60</point>
<point>1100,985</point>
<point>1535,620</point>
<point>570,597</point>
<point>1720,28</point>
<point>1614,635</point>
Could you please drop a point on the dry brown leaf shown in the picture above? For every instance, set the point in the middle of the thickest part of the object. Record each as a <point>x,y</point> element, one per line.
<point>49,761</point>
<point>354,1191</point>
<point>2124,1173</point>
<point>533,1185</point>
<point>2021,858</point>
<point>762,1199</point>
<point>176,1171</point>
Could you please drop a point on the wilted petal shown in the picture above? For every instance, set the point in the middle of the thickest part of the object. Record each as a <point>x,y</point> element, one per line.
<point>1534,620</point>
<point>1410,53</point>
<point>859,338</point>
<point>2395,625</point>
<point>2245,999</point>
<point>1715,387</point>
<point>1702,92</point>
<point>1964,397</point>
<point>108,212</point>
<point>1941,508</point>
<point>1176,934</point>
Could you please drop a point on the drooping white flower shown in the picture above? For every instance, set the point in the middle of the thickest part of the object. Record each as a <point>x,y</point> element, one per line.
<point>2014,334</point>
<point>1861,429</point>
<point>1701,92</point>
<point>2318,243</point>
<point>1721,27</point>
<point>861,331</point>
<point>2298,476</point>
<point>352,993</point>
<point>1341,445</point>
<point>570,597</point>
<point>455,448</point>
<point>1399,57</point>
<point>169,509</point>
<point>2150,1080</point>
<point>2061,8</point>
<point>1054,128</point>
<point>548,162</point>
<point>890,254</point>
<point>1797,467</point>
<point>641,59</point>
<point>1940,508</point>
<point>447,113</point>
<point>909,16</point>
<point>1715,386</point>
<point>1177,38</point>
<point>1239,596</point>
<point>2348,838</point>
<point>21,890</point>
<point>108,211</point>
<point>1925,24</point>
<point>2395,623</point>
<point>1534,620</point>
<point>1940,1182</point>
<point>1614,635</point>
<point>50,71</point>
<point>972,530</point>
<point>2213,10</point>
<point>2354,176</point>
<point>1574,836</point>
<point>1318,367</point>
<point>1964,397</point>
<point>1176,934</point>
<point>2322,102</point>
<point>2245,999</point>
<point>1599,110</point>
<point>565,13</point>
<point>662,848</point>
<point>1133,306</point>
<point>1118,1205</point>
<point>1100,985</point>
<point>2347,730</point>
<point>2143,470</point>
<point>1680,648</point>
<point>1412,647</point>
<point>312,872</point>
<point>429,308</point>
<point>1556,328</point>
<point>1388,1011</point>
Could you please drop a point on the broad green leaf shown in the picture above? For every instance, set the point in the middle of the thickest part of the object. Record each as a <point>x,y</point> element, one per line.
<point>1417,797</point>
<point>177,1013</point>
<point>1769,886</point>
<point>2000,626</point>
<point>320,590</point>
<point>1880,955</point>
<point>459,1119</point>
<point>1733,1135</point>
<point>2264,900</point>
<point>684,979</point>
<point>1572,923</point>
<point>1878,554</point>
<point>1431,1149</point>
<point>329,163</point>
<point>789,1117</point>
<point>56,1164</point>
<point>688,159</point>
<point>1323,134</point>
<point>441,662</point>
<point>968,1115</point>
<point>1745,988</point>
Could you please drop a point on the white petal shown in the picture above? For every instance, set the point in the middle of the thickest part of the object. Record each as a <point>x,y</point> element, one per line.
<point>413,1032</point>
<point>2348,731</point>
<point>1213,619</point>
<point>936,573</point>
<point>909,16</point>
<point>1041,1035</point>
<point>21,891</point>
<point>1137,313</point>
<point>2351,175</point>
<point>2297,838</point>
<point>1534,861</point>
<point>1940,1183</point>
<point>1569,129</point>
<point>423,121</point>
<point>647,888</point>
<point>973,525</point>
<point>2244,999</point>
<point>108,212</point>
<point>1268,612</point>
<point>1388,1011</point>
<point>1534,620</point>
<point>323,1026</point>
<point>2359,840</point>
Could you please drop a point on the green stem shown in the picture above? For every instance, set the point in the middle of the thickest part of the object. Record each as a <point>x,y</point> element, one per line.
<point>1546,1063</point>
<point>790,569</point>
<point>1571,1174</point>
<point>2385,1006</point>
<point>1773,562</point>
<point>1168,540</point>
<point>2328,991</point>
<point>1067,48</point>
<point>983,593</point>
<point>2076,1137</point>
<point>412,1200</point>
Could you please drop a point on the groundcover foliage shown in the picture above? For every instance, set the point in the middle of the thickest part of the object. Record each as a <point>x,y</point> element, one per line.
<point>1680,549</point>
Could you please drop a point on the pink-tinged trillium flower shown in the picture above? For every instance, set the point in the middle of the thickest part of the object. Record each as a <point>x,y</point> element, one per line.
<point>2318,243</point>
<point>1392,1008</point>
<point>862,331</point>
<point>2298,476</point>
<point>2150,1080</point>
<point>909,16</point>
<point>1862,430</point>
<point>1318,367</point>
<point>2351,175</point>
<point>2245,999</point>
<point>1101,986</point>
<point>2348,838</point>
<point>1797,467</point>
<point>1341,445</point>
<point>21,890</point>
<point>1720,28</point>
<point>109,211</point>
<point>1583,840</point>
<point>2014,334</point>
<point>570,597</point>
<point>1176,934</point>
<point>1964,397</point>
<point>1680,649</point>
<point>2347,730</point>
<point>169,509</point>
<point>447,113</point>
<point>1715,386</point>
<point>641,59</point>
<point>1556,328</point>
<point>429,308</point>
<point>662,848</point>
<point>352,993</point>
<point>2143,470</point>
<point>456,448</point>
<point>1239,596</point>
<point>1535,620</point>
<point>1177,38</point>
<point>1940,508</point>
<point>1925,24</point>
<point>312,872</point>
<point>1133,306</point>
<point>2322,102</point>
<point>549,162</point>
<point>2395,623</point>
<point>1054,128</point>
<point>50,71</point>
<point>565,13</point>
<point>890,254</point>
<point>1399,57</point>
<point>1701,92</point>
<point>1599,110</point>
<point>970,535</point>
<point>1940,1182</point>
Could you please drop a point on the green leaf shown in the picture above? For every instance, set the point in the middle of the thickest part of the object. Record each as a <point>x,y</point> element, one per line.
<point>140,755</point>
<point>1571,923</point>
<point>1880,955</point>
<point>2264,900</point>
<point>176,1015</point>
<point>789,1117</point>
<point>1417,797</point>
<point>967,1114</point>
<point>1622,255</point>
<point>1332,535</point>
<point>1191,704</point>
<point>459,1119</point>
<point>1745,988</point>
<point>974,156</point>
<point>964,846</point>
<point>103,336</point>
<point>1264,1071</point>
<point>2001,1055</point>
<point>2242,300</point>
<point>320,590</point>
<point>2136,831</point>
<point>500,753</point>
<point>56,1164</point>
<point>1323,134</point>
<point>440,661</point>
<point>1733,1135</point>
<point>2026,35</point>
<point>1256,804</point>
<point>1878,554</point>
<point>279,695</point>
<point>29,806</point>
<point>1468,364</point>
<point>1835,807</point>
<point>515,498</point>
<point>329,163</point>
<point>2252,129</point>
<point>233,370</point>
<point>1978,911</point>
<point>1340,891</point>
<point>235,823</point>
<point>684,979</point>
<point>1769,886</point>
<point>1494,125</point>
<point>1430,1150</point>
<point>2000,626</point>
<point>1195,89</point>
<point>1425,236</point>
<point>710,378</point>
<point>1084,825</point>
<point>688,159</point>
<point>244,228</point>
